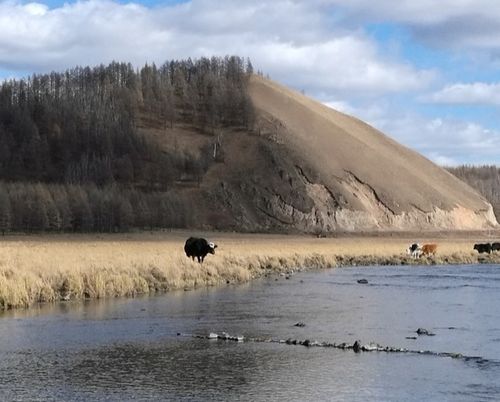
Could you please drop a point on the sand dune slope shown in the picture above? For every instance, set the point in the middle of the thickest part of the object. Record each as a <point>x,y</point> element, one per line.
<point>352,176</point>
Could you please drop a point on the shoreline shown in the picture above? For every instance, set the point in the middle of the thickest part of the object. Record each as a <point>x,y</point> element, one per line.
<point>51,268</point>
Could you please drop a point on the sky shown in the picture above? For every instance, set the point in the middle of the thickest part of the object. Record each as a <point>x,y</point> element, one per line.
<point>426,72</point>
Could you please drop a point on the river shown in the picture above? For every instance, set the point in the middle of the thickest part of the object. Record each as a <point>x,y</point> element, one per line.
<point>129,349</point>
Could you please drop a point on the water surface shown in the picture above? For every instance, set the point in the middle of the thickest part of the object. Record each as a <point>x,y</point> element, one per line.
<point>128,349</point>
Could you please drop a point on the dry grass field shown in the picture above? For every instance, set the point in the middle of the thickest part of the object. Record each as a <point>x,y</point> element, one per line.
<point>49,268</point>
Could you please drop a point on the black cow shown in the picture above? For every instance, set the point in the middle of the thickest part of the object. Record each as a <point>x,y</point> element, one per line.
<point>483,248</point>
<point>495,246</point>
<point>199,248</point>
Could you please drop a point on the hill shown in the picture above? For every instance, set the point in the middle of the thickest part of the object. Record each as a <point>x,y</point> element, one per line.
<point>208,145</point>
<point>364,179</point>
<point>306,167</point>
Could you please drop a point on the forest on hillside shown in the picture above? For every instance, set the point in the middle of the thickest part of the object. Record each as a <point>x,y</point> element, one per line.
<point>485,179</point>
<point>72,157</point>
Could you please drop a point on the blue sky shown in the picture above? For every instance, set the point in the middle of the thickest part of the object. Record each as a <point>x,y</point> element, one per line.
<point>426,73</point>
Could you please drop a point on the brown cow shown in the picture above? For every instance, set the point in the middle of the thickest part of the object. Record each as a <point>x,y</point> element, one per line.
<point>428,249</point>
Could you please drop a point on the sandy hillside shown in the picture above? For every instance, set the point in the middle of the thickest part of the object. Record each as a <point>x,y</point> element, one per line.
<point>305,168</point>
<point>360,169</point>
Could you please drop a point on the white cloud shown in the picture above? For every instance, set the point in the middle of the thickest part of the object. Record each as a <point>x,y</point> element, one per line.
<point>475,93</point>
<point>36,8</point>
<point>463,24</point>
<point>82,33</point>
<point>421,12</point>
<point>292,41</point>
<point>348,63</point>
<point>443,140</point>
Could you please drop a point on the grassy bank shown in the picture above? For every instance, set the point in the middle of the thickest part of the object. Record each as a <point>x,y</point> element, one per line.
<point>50,268</point>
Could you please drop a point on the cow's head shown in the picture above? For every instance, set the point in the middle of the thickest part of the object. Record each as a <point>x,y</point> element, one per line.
<point>212,246</point>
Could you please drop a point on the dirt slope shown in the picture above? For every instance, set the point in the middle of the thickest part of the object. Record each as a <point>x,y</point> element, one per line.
<point>308,168</point>
<point>359,178</point>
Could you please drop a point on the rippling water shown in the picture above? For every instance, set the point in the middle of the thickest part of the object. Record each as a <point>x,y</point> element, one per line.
<point>128,349</point>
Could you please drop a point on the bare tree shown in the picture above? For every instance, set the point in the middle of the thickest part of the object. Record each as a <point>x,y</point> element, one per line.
<point>5,210</point>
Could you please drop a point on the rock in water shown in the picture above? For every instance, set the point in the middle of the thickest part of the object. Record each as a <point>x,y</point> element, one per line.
<point>423,331</point>
<point>356,347</point>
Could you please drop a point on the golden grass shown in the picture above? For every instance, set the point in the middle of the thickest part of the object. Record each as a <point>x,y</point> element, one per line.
<point>49,268</point>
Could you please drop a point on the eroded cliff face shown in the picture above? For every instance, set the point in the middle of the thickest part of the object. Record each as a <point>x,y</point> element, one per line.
<point>284,194</point>
<point>314,208</point>
<point>327,215</point>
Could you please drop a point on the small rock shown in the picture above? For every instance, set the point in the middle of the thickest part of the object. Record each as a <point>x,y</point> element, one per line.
<point>452,355</point>
<point>356,347</point>
<point>363,281</point>
<point>370,347</point>
<point>423,331</point>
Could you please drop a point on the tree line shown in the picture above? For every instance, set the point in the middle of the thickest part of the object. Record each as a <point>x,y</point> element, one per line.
<point>72,157</point>
<point>32,208</point>
<point>80,126</point>
<point>485,179</point>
